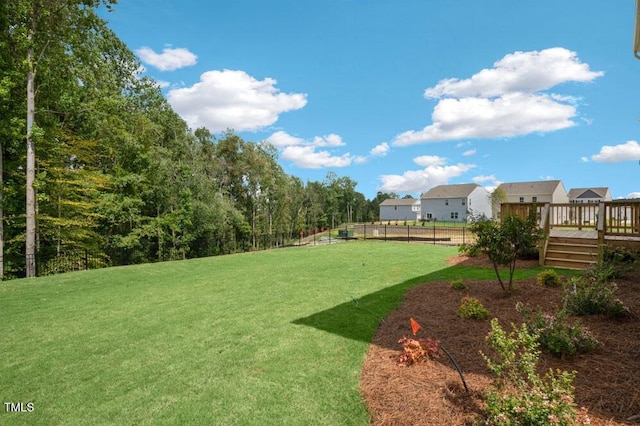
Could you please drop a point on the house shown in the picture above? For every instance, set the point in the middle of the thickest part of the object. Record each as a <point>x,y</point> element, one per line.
<point>545,191</point>
<point>455,202</point>
<point>589,195</point>
<point>400,209</point>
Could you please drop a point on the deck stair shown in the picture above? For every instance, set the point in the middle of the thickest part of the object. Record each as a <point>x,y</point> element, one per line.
<point>571,253</point>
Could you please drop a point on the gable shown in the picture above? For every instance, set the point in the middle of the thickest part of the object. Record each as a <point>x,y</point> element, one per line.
<point>578,193</point>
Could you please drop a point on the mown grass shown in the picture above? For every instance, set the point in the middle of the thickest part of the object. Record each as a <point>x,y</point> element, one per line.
<point>274,337</point>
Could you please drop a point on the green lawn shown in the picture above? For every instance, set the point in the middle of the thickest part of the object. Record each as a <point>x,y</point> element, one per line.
<point>275,337</point>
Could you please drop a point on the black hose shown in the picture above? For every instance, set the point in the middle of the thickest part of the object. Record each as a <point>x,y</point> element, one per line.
<point>457,368</point>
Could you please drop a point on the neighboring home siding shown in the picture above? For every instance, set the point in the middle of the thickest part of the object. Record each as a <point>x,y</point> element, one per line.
<point>454,202</point>
<point>547,191</point>
<point>400,209</point>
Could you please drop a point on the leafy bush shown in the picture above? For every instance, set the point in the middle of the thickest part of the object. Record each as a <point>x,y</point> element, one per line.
<point>621,260</point>
<point>458,284</point>
<point>506,242</point>
<point>520,396</point>
<point>584,296</point>
<point>548,278</point>
<point>471,250</point>
<point>417,350</point>
<point>556,333</point>
<point>472,308</point>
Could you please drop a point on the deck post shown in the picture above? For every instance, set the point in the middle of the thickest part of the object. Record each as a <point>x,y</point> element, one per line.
<point>602,220</point>
<point>544,225</point>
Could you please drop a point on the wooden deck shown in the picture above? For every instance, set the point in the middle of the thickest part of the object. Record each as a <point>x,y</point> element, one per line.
<point>576,234</point>
<point>569,233</point>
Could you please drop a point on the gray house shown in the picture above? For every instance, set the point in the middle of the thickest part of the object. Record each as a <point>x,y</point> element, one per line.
<point>455,202</point>
<point>589,195</point>
<point>400,209</point>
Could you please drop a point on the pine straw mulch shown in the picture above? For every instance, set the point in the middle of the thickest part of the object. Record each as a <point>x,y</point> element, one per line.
<point>431,393</point>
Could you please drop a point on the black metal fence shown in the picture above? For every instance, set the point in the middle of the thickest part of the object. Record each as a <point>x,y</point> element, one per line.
<point>445,233</point>
<point>55,260</point>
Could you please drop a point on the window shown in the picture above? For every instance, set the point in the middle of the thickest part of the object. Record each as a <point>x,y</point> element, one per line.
<point>454,215</point>
<point>534,199</point>
<point>463,201</point>
<point>429,216</point>
<point>522,199</point>
<point>395,207</point>
<point>446,202</point>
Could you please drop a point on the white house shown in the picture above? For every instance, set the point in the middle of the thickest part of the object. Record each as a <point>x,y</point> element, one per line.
<point>455,202</point>
<point>400,209</point>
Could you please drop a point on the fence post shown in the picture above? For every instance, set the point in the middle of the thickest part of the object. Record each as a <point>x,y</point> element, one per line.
<point>408,235</point>
<point>86,259</point>
<point>385,233</point>
<point>364,230</point>
<point>434,233</point>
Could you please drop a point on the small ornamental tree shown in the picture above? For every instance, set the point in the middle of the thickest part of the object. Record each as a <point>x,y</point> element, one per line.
<point>505,242</point>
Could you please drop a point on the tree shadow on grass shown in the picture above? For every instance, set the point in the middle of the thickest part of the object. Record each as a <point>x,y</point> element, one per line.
<point>359,318</point>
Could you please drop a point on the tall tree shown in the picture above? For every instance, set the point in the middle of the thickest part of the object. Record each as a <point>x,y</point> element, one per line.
<point>47,33</point>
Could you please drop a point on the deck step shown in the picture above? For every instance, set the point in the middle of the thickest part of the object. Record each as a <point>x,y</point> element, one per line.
<point>571,253</point>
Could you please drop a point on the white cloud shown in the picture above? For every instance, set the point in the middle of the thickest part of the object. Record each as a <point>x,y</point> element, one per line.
<point>633,195</point>
<point>169,59</point>
<point>489,182</point>
<point>469,152</point>
<point>435,173</point>
<point>305,154</point>
<point>506,100</point>
<point>485,178</point>
<point>233,99</point>
<point>380,150</point>
<point>629,151</point>
<point>584,159</point>
<point>307,157</point>
<point>430,160</point>
<point>510,115</point>
<point>527,72</point>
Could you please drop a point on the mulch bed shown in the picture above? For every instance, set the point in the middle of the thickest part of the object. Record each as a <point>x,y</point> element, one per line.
<point>431,393</point>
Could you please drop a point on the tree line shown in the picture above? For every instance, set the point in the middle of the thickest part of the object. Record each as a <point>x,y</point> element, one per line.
<point>93,157</point>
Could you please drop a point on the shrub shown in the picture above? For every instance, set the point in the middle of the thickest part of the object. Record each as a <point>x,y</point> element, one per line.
<point>458,284</point>
<point>548,278</point>
<point>416,350</point>
<point>471,250</point>
<point>472,308</point>
<point>620,259</point>
<point>556,333</point>
<point>504,242</point>
<point>520,396</point>
<point>583,296</point>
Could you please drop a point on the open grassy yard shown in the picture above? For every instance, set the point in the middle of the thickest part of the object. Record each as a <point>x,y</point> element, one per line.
<point>275,337</point>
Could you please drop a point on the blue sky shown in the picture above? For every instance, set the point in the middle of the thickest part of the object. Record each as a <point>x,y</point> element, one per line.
<point>405,95</point>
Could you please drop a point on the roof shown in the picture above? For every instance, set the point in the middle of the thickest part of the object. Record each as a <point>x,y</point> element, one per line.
<point>399,202</point>
<point>451,191</point>
<point>576,193</point>
<point>530,188</point>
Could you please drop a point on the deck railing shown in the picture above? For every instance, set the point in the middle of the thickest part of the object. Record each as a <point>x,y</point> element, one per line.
<point>611,218</point>
<point>622,218</point>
